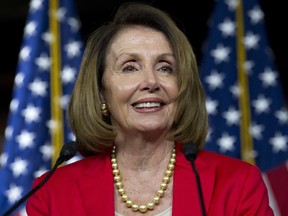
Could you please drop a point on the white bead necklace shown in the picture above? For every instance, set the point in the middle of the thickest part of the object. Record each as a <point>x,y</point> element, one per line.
<point>160,193</point>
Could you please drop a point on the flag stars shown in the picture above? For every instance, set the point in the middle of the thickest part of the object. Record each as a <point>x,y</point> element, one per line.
<point>27,134</point>
<point>25,53</point>
<point>232,116</point>
<point>251,41</point>
<point>261,104</point>
<point>73,49</point>
<point>232,4</point>
<point>36,5</point>
<point>248,66</point>
<point>46,151</point>
<point>282,116</point>
<point>43,62</point>
<point>30,29</point>
<point>3,159</point>
<point>209,134</point>
<point>267,113</point>
<point>279,143</point>
<point>31,114</point>
<point>19,79</point>
<point>235,90</point>
<point>64,100</point>
<point>68,74</point>
<point>226,143</point>
<point>14,104</point>
<point>211,106</point>
<point>74,24</point>
<point>53,125</point>
<point>8,132</point>
<point>268,77</point>
<point>47,37</point>
<point>61,13</point>
<point>227,28</point>
<point>256,15</point>
<point>14,193</point>
<point>38,87</point>
<point>25,139</point>
<point>215,80</point>
<point>256,131</point>
<point>220,54</point>
<point>18,167</point>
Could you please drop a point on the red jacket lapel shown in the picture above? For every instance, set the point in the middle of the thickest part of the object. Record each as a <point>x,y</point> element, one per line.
<point>98,188</point>
<point>186,201</point>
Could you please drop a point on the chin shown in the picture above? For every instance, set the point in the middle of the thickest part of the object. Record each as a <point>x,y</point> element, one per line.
<point>154,127</point>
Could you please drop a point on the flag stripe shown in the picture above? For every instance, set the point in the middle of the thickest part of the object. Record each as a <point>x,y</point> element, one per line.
<point>278,179</point>
<point>272,200</point>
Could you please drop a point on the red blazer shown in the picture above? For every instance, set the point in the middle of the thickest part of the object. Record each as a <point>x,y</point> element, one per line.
<point>230,187</point>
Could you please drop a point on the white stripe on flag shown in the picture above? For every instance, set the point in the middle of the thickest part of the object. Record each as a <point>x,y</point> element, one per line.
<point>272,200</point>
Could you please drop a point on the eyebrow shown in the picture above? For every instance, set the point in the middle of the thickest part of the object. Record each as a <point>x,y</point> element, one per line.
<point>126,54</point>
<point>135,55</point>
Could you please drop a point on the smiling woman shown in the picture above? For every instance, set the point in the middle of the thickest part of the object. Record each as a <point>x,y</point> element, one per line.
<point>140,84</point>
<point>13,14</point>
<point>137,101</point>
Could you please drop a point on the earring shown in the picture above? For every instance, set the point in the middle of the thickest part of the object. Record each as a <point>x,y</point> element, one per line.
<point>104,110</point>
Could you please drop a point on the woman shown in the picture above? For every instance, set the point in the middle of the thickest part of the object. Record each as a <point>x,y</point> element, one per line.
<point>137,100</point>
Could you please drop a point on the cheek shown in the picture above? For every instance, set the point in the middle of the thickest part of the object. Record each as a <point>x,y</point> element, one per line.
<point>175,90</point>
<point>172,89</point>
<point>118,89</point>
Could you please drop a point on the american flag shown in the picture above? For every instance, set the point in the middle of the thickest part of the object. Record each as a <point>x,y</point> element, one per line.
<point>43,76</point>
<point>246,106</point>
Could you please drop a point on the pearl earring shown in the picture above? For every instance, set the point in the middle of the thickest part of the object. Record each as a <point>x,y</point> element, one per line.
<point>104,110</point>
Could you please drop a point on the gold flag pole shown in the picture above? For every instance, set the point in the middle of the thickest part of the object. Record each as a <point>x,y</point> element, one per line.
<point>55,82</point>
<point>247,153</point>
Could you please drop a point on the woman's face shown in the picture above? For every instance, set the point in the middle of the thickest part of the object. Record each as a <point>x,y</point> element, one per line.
<point>140,84</point>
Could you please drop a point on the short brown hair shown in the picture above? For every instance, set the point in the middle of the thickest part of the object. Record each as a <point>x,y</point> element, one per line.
<point>93,133</point>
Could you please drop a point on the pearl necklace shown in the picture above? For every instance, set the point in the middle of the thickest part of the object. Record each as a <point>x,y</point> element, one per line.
<point>160,193</point>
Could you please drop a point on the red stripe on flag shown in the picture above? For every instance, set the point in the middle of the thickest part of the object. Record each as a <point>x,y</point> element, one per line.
<point>278,180</point>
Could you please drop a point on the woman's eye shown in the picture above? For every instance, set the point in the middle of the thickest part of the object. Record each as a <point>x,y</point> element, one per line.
<point>166,69</point>
<point>129,68</point>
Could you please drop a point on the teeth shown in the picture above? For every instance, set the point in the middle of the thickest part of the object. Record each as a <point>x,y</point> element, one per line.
<point>147,105</point>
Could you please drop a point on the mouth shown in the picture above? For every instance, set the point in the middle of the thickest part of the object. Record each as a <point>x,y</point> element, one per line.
<point>147,105</point>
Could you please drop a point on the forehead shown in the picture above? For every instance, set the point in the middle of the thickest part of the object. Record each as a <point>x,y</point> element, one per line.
<point>135,36</point>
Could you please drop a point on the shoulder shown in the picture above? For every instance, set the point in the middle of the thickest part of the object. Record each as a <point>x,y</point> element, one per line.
<point>228,166</point>
<point>78,165</point>
<point>220,164</point>
<point>206,158</point>
<point>222,159</point>
<point>85,166</point>
<point>233,175</point>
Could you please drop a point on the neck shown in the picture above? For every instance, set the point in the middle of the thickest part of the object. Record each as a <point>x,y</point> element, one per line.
<point>141,177</point>
<point>143,155</point>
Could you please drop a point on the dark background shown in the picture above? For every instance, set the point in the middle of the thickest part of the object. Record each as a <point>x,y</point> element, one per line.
<point>191,16</point>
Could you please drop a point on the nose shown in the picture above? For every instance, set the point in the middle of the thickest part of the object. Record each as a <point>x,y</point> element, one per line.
<point>150,81</point>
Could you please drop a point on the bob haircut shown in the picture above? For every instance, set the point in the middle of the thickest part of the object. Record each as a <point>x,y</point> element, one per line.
<point>95,133</point>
